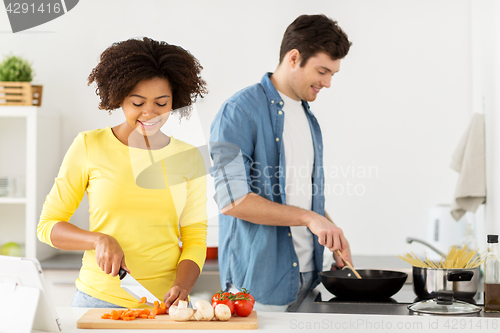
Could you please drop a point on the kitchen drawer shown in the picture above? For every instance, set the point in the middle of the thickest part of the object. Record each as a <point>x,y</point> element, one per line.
<point>61,285</point>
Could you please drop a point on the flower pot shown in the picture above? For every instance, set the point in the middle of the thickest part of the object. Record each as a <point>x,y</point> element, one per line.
<point>20,93</point>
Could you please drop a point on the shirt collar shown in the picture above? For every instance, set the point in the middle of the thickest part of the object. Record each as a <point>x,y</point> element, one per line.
<point>272,94</point>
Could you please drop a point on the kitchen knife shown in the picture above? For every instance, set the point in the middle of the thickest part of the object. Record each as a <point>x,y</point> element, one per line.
<point>134,288</point>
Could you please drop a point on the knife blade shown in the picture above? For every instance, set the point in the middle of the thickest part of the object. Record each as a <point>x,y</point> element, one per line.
<point>134,288</point>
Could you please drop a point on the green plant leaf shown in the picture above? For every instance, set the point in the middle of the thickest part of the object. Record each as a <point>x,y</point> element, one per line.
<point>16,69</point>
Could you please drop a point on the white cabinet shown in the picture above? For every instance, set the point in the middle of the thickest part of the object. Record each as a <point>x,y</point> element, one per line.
<point>30,148</point>
<point>61,285</point>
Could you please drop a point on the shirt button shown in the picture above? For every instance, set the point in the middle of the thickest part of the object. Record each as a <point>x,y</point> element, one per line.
<point>280,112</point>
<point>281,102</point>
<point>289,234</point>
<point>277,139</point>
<point>272,102</point>
<point>294,264</point>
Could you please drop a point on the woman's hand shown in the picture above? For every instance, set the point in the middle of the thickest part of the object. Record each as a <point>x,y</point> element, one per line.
<point>187,274</point>
<point>174,295</point>
<point>109,255</point>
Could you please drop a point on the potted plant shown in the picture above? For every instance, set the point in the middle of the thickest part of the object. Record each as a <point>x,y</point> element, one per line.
<point>16,75</point>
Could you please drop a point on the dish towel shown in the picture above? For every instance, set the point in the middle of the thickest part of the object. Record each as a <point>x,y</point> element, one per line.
<point>470,162</point>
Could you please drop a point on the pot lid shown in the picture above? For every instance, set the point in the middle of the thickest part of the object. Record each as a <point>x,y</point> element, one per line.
<point>444,304</point>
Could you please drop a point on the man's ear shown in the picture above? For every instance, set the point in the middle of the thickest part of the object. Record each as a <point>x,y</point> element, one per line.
<point>294,58</point>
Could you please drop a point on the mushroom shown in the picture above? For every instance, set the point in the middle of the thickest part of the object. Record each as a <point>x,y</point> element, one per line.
<point>222,312</point>
<point>204,310</point>
<point>180,312</point>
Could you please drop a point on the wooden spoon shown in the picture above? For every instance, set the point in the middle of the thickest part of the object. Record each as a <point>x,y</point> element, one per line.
<point>348,264</point>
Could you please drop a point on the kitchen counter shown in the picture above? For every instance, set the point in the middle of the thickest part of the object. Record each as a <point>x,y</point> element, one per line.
<point>321,322</point>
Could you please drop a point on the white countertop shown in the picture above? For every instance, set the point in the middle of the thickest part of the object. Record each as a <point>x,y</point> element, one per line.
<point>307,322</point>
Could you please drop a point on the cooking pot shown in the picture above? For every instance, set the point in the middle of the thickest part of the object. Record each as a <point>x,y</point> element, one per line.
<point>463,282</point>
<point>373,285</point>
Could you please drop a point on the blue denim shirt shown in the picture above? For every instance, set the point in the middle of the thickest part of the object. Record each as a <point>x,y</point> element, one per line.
<point>246,145</point>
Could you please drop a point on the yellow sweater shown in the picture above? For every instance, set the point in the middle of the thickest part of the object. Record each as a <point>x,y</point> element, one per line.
<point>147,199</point>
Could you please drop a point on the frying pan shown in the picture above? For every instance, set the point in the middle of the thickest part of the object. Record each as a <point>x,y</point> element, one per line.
<point>374,285</point>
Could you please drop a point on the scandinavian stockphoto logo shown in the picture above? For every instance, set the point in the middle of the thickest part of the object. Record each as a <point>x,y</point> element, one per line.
<point>26,14</point>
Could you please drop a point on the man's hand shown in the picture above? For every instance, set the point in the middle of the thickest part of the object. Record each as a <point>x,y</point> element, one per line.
<point>347,256</point>
<point>346,252</point>
<point>329,235</point>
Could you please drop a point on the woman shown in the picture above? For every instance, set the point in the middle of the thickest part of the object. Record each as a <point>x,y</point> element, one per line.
<point>146,190</point>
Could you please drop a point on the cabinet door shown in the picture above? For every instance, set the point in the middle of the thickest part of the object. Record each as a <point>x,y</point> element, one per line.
<point>61,285</point>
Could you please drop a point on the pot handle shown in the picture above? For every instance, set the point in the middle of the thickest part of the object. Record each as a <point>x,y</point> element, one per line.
<point>444,297</point>
<point>460,276</point>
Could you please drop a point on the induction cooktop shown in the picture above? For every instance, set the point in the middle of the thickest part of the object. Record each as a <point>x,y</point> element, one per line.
<point>404,296</point>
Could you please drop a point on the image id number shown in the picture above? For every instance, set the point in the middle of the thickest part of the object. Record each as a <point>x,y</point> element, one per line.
<point>469,324</point>
<point>23,8</point>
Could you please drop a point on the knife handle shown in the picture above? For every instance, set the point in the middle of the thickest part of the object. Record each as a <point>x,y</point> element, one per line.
<point>122,273</point>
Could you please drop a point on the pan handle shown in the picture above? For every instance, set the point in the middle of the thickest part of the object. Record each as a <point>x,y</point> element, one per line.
<point>460,276</point>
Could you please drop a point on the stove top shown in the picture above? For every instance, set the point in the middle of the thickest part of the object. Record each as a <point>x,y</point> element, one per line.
<point>396,299</point>
<point>321,300</point>
<point>404,296</point>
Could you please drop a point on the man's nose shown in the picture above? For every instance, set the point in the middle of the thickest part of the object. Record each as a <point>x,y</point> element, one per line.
<point>327,82</point>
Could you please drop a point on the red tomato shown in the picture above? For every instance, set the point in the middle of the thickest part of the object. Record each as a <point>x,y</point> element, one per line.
<point>246,295</point>
<point>243,308</point>
<point>216,296</point>
<point>228,294</point>
<point>226,301</point>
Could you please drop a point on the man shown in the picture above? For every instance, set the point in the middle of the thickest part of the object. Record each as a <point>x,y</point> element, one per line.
<point>268,172</point>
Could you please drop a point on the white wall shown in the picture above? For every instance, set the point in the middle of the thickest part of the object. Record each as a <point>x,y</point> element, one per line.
<point>486,52</point>
<point>397,108</point>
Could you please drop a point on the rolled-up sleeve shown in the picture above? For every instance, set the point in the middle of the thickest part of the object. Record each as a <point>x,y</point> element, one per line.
<point>231,149</point>
<point>67,192</point>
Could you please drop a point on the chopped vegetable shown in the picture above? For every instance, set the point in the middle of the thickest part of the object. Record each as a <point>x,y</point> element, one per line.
<point>160,308</point>
<point>129,314</point>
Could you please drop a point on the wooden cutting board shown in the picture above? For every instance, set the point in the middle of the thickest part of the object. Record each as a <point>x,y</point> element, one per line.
<point>92,319</point>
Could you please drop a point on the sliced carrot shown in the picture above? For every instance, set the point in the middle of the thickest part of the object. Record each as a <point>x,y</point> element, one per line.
<point>157,304</point>
<point>151,316</point>
<point>128,313</point>
<point>127,318</point>
<point>157,311</point>
<point>115,315</point>
<point>106,316</point>
<point>144,311</point>
<point>145,316</point>
<point>162,305</point>
<point>143,300</point>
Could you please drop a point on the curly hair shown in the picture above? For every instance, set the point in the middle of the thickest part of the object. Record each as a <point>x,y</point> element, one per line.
<point>310,34</point>
<point>126,63</point>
